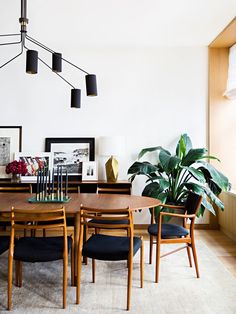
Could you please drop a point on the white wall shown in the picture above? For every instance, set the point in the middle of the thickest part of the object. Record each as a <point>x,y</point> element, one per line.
<point>150,96</point>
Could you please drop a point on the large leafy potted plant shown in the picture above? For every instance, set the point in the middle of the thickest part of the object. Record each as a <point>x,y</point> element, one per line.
<point>173,176</point>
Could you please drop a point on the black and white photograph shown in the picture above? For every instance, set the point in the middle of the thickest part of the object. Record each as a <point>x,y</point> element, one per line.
<point>10,143</point>
<point>89,170</point>
<point>4,150</point>
<point>70,153</point>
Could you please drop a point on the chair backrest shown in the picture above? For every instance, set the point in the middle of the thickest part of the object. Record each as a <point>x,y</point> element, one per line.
<point>121,218</point>
<point>193,203</point>
<point>39,218</point>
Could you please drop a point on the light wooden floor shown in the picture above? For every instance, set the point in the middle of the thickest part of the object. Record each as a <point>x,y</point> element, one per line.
<point>222,246</point>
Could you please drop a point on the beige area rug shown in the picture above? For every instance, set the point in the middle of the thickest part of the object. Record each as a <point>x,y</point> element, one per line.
<point>179,291</point>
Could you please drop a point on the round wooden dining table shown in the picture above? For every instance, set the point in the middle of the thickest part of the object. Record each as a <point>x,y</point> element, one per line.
<point>72,208</point>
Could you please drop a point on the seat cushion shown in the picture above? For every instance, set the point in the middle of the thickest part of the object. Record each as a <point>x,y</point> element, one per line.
<point>40,249</point>
<point>168,230</point>
<point>109,248</point>
<point>4,243</point>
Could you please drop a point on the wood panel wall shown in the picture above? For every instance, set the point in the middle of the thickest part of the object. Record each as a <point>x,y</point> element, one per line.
<point>222,121</point>
<point>227,219</point>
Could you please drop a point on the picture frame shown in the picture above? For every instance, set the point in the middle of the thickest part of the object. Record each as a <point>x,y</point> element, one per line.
<point>71,152</point>
<point>34,162</point>
<point>10,143</point>
<point>89,171</point>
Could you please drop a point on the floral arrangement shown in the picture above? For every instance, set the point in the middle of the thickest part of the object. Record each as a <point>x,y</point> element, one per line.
<point>16,167</point>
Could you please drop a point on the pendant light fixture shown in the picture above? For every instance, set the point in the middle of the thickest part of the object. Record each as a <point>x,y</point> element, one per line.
<point>32,58</point>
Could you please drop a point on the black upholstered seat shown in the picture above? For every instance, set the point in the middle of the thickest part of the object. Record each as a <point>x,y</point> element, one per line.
<point>168,230</point>
<point>42,249</point>
<point>110,248</point>
<point>4,243</point>
<point>122,221</point>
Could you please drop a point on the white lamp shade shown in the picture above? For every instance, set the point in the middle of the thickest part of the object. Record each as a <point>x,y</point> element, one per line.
<point>111,146</point>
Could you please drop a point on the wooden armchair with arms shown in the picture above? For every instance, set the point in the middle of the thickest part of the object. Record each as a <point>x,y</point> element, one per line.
<point>167,233</point>
<point>37,249</point>
<point>101,246</point>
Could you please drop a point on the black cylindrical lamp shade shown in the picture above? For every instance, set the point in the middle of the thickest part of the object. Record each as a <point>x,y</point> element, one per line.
<point>91,85</point>
<point>75,98</point>
<point>32,61</point>
<point>56,62</point>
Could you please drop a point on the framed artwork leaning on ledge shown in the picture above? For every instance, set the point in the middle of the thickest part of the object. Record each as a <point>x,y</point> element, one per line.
<point>70,153</point>
<point>10,143</point>
<point>34,162</point>
<point>89,171</point>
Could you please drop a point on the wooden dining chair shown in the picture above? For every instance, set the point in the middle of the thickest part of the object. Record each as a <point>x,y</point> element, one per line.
<point>109,247</point>
<point>38,249</point>
<point>167,233</point>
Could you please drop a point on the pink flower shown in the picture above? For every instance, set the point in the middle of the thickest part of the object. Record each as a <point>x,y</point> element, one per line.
<point>16,167</point>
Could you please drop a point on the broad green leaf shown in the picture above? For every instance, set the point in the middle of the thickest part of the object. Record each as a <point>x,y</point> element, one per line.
<point>214,175</point>
<point>198,175</point>
<point>153,177</point>
<point>208,206</point>
<point>193,155</point>
<point>183,146</point>
<point>145,168</point>
<point>152,190</point>
<point>151,149</point>
<point>214,198</point>
<point>210,157</point>
<point>167,162</point>
<point>199,189</point>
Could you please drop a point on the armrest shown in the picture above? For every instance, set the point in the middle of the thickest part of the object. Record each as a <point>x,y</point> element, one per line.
<point>172,206</point>
<point>177,215</point>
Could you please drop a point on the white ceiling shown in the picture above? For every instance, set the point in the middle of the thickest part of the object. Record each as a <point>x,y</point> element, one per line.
<point>109,23</point>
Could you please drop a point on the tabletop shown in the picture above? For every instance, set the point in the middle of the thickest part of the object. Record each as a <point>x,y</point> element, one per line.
<point>105,201</point>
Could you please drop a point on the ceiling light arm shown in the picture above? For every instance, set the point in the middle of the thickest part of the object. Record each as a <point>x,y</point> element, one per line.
<point>52,51</point>
<point>12,58</point>
<point>10,43</point>
<point>36,42</point>
<point>6,35</point>
<point>56,72</point>
<point>74,66</point>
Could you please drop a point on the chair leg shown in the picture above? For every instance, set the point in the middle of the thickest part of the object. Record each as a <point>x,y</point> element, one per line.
<point>20,274</point>
<point>9,289</point>
<point>195,258</point>
<point>150,249</point>
<point>130,272</point>
<point>18,270</point>
<point>141,264</point>
<point>79,266</point>
<point>93,270</point>
<point>17,273</point>
<point>189,255</point>
<point>65,264</point>
<point>158,257</point>
<point>72,265</point>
